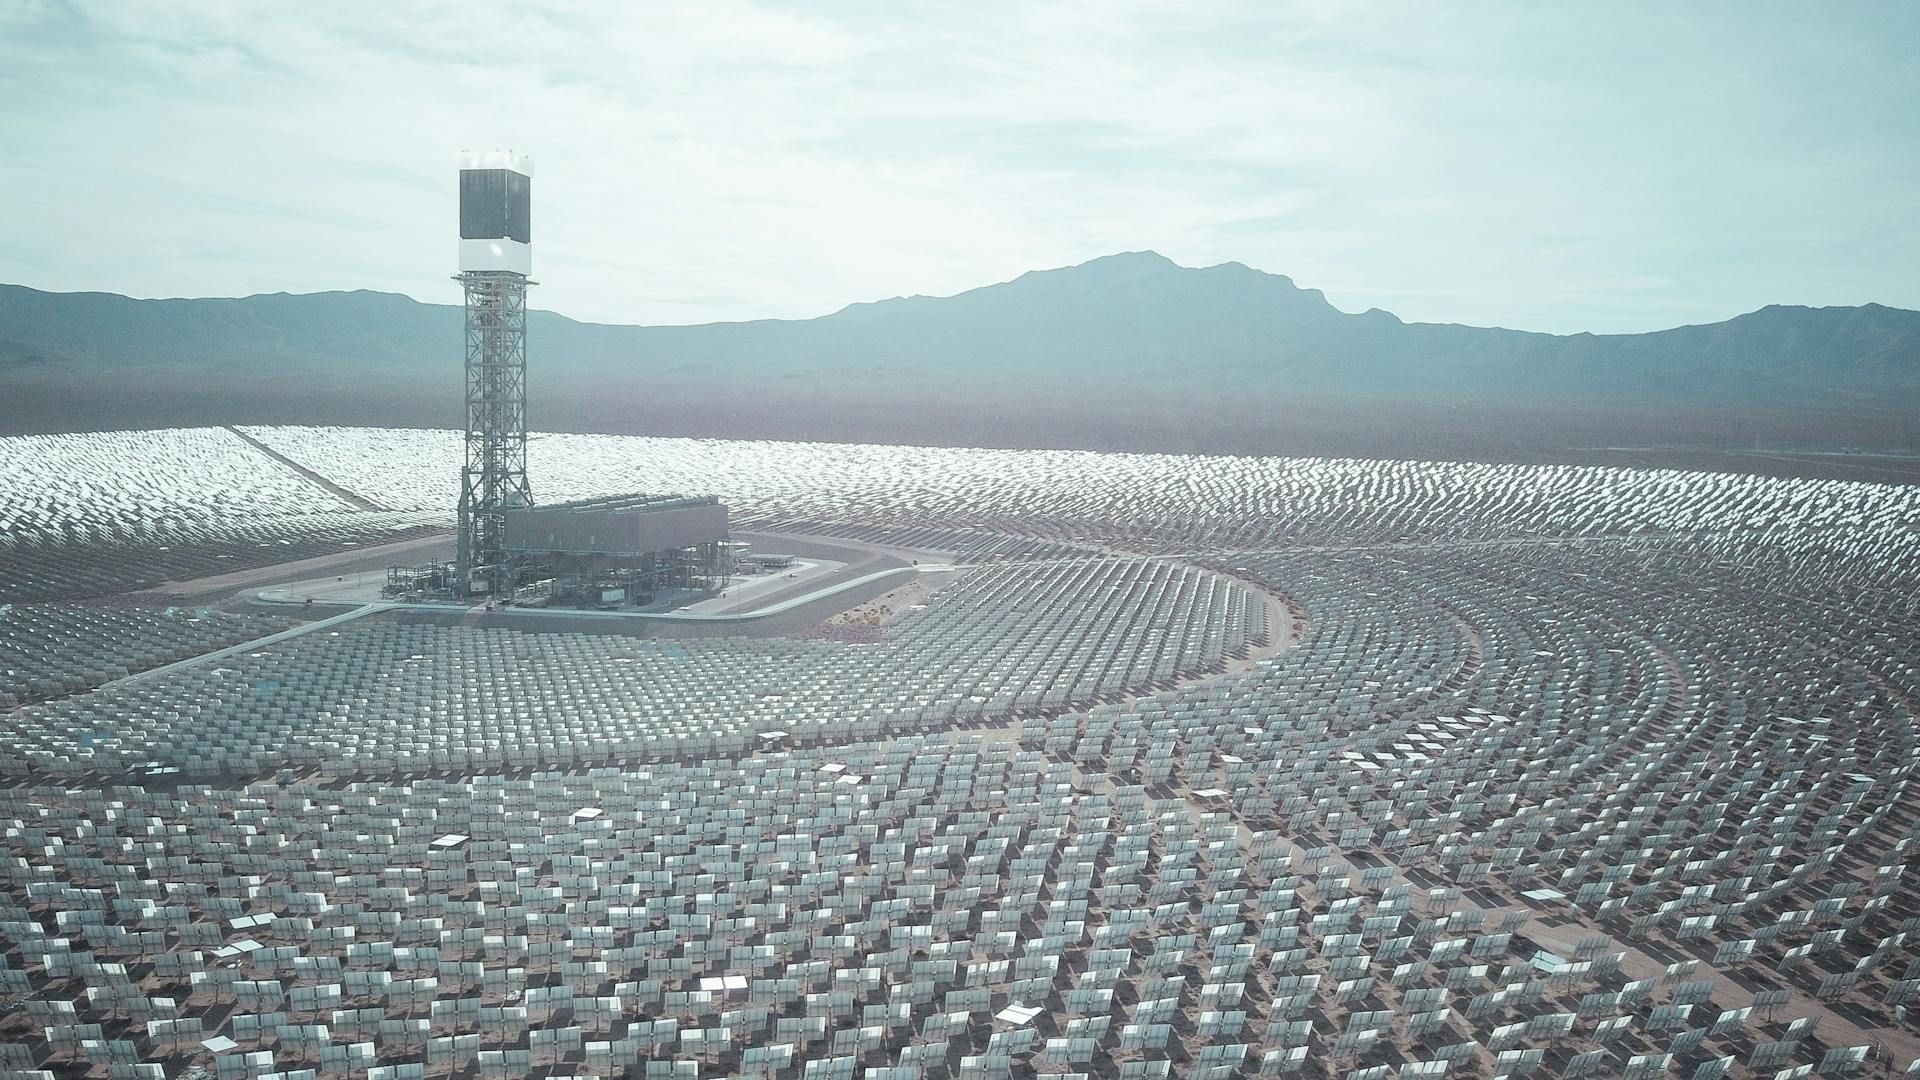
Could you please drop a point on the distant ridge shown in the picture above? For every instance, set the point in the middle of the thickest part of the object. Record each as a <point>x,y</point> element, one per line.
<point>1132,327</point>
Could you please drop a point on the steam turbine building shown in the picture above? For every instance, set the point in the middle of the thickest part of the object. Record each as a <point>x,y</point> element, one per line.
<point>627,546</point>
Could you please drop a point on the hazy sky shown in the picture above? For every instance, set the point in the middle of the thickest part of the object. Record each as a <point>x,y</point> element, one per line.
<point>1550,166</point>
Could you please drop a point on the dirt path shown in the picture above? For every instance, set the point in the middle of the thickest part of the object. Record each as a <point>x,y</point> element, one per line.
<point>358,502</point>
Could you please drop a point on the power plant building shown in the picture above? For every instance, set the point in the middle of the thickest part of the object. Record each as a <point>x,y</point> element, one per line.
<point>622,548</point>
<point>620,525</point>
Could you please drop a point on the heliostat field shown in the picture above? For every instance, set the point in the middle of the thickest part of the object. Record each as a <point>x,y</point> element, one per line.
<point>1137,765</point>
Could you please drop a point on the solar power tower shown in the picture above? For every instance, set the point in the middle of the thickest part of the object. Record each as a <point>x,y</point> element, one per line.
<point>496,255</point>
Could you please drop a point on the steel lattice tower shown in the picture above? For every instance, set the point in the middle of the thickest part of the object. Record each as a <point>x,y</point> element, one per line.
<point>495,259</point>
<point>495,475</point>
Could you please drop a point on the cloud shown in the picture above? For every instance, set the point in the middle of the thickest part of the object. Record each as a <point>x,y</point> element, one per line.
<point>1516,164</point>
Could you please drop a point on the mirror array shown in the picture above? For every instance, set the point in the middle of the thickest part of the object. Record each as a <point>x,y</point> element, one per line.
<point>50,650</point>
<point>105,512</point>
<point>1160,502</point>
<point>1006,638</point>
<point>1197,767</point>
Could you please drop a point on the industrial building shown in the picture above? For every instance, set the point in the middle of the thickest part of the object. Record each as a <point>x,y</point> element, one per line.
<point>623,549</point>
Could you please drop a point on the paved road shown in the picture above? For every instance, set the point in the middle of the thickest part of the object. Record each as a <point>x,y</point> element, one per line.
<point>861,560</point>
<point>222,587</point>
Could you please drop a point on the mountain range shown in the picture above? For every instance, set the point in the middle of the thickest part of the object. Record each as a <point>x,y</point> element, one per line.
<point>1129,350</point>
